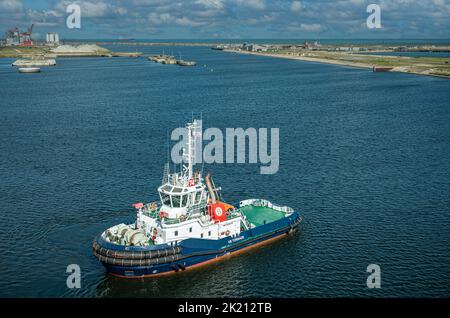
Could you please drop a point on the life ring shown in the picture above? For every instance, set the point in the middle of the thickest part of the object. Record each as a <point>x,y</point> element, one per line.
<point>227,233</point>
<point>218,211</point>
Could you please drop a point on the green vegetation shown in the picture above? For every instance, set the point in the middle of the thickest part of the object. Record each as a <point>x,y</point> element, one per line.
<point>438,66</point>
<point>17,52</point>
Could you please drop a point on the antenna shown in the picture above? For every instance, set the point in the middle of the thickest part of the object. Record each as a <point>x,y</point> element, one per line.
<point>168,150</point>
<point>203,161</point>
<point>165,173</point>
<point>191,145</point>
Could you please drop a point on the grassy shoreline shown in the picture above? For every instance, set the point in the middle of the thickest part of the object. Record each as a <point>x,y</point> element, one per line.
<point>24,52</point>
<point>429,66</point>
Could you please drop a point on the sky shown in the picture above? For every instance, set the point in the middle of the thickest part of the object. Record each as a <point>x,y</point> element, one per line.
<point>230,19</point>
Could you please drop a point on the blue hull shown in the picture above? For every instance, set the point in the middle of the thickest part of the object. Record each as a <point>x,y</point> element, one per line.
<point>198,251</point>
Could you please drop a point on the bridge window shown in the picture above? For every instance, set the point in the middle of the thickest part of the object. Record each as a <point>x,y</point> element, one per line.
<point>165,199</point>
<point>175,201</point>
<point>198,197</point>
<point>184,200</point>
<point>176,233</point>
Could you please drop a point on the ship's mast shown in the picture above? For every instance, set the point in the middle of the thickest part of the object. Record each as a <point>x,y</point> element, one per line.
<point>189,153</point>
<point>191,147</point>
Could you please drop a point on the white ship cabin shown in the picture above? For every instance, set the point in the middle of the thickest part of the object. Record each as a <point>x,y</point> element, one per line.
<point>183,213</point>
<point>179,200</point>
<point>188,209</point>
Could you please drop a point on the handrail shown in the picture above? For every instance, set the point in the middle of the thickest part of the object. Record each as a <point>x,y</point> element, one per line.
<point>266,203</point>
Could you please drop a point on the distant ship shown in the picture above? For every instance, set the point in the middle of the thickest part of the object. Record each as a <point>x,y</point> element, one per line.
<point>169,59</point>
<point>163,59</point>
<point>29,69</point>
<point>35,61</point>
<point>158,58</point>
<point>190,226</point>
<point>186,63</point>
<point>219,47</point>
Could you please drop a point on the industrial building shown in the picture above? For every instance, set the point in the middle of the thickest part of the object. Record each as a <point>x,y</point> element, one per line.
<point>52,38</point>
<point>254,47</point>
<point>16,38</point>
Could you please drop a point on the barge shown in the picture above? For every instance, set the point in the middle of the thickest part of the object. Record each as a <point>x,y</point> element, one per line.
<point>29,69</point>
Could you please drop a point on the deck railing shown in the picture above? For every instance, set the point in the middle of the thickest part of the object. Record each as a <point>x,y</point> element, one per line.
<point>265,203</point>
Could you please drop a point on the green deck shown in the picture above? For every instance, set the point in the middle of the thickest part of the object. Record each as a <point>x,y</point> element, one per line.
<point>258,214</point>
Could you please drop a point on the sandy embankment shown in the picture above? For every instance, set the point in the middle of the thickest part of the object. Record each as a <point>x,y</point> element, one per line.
<point>80,50</point>
<point>304,58</point>
<point>345,60</point>
<point>89,50</point>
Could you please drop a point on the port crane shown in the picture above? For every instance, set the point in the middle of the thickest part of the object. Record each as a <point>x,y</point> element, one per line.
<point>26,37</point>
<point>15,37</point>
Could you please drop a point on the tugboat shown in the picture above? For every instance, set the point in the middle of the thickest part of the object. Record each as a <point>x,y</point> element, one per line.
<point>190,226</point>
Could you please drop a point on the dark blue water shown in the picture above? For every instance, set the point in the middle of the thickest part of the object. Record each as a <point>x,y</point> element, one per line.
<point>364,158</point>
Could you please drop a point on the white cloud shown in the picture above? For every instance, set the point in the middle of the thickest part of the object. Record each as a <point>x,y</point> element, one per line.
<point>160,18</point>
<point>184,21</point>
<point>357,2</point>
<point>240,18</point>
<point>211,4</point>
<point>10,6</point>
<point>296,6</point>
<point>253,4</point>
<point>314,27</point>
<point>93,9</point>
<point>305,27</point>
<point>265,19</point>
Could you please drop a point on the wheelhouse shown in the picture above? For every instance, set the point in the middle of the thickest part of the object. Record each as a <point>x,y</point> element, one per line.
<point>178,199</point>
<point>181,197</point>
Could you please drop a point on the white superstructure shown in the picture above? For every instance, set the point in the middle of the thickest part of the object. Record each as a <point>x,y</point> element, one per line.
<point>188,208</point>
<point>52,38</point>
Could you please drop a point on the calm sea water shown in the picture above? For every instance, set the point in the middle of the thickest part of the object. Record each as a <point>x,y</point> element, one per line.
<point>363,156</point>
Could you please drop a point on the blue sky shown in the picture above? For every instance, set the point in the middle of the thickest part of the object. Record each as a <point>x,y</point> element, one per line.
<point>234,19</point>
